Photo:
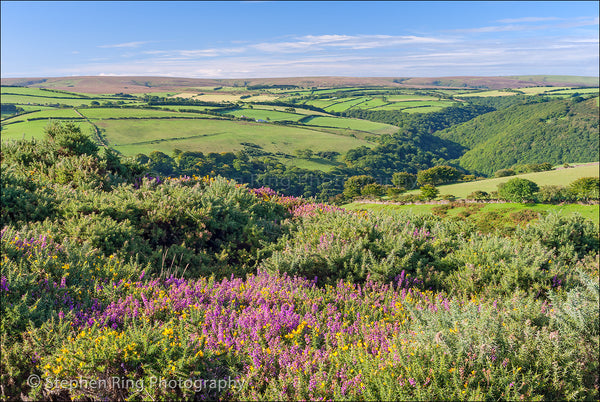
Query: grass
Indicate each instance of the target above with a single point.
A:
(135, 136)
(305, 112)
(504, 209)
(35, 129)
(32, 92)
(63, 114)
(404, 98)
(347, 104)
(24, 100)
(263, 114)
(353, 124)
(538, 90)
(561, 177)
(491, 93)
(373, 103)
(576, 90)
(118, 113)
(423, 109)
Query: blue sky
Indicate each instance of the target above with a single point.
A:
(291, 39)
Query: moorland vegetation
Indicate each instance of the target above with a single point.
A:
(174, 283)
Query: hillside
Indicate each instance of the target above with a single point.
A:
(110, 84)
(556, 131)
(557, 177)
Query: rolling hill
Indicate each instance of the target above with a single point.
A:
(556, 131)
(112, 84)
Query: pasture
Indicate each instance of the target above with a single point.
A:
(559, 176)
(38, 100)
(352, 124)
(118, 113)
(270, 115)
(212, 135)
(496, 92)
(35, 129)
(56, 114)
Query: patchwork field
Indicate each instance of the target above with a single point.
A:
(213, 135)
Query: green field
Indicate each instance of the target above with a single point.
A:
(298, 110)
(491, 93)
(342, 105)
(504, 209)
(561, 177)
(272, 115)
(353, 124)
(56, 114)
(25, 99)
(118, 113)
(35, 129)
(212, 135)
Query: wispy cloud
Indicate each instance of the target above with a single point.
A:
(355, 42)
(522, 26)
(527, 19)
(126, 44)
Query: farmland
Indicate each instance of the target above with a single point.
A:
(559, 176)
(215, 135)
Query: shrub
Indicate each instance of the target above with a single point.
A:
(586, 188)
(504, 173)
(478, 195)
(373, 189)
(429, 192)
(518, 190)
(571, 237)
(69, 139)
(555, 194)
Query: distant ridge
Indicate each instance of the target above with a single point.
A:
(132, 84)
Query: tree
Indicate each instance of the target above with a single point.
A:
(429, 192)
(353, 186)
(518, 190)
(373, 189)
(161, 163)
(504, 173)
(404, 180)
(304, 153)
(439, 175)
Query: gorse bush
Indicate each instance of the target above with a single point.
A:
(106, 273)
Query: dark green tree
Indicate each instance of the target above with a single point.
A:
(439, 175)
(354, 185)
(404, 180)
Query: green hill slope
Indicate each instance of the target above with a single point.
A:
(556, 131)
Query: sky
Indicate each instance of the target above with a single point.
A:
(266, 39)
